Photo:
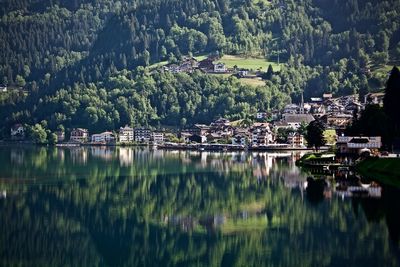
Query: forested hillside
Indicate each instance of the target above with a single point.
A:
(51, 48)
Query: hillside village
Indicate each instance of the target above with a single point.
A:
(269, 130)
(213, 64)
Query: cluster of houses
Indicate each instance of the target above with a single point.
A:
(257, 135)
(211, 64)
(81, 136)
(336, 113)
(190, 64)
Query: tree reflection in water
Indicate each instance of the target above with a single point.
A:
(134, 207)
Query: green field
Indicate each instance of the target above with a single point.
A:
(158, 64)
(251, 63)
(252, 82)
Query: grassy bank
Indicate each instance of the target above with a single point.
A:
(386, 170)
(312, 157)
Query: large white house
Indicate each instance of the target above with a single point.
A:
(126, 134)
(106, 137)
(261, 134)
(219, 67)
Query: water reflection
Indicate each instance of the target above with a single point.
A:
(99, 206)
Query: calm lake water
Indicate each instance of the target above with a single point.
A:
(97, 206)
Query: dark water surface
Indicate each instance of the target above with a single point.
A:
(139, 207)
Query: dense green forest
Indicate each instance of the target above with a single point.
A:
(80, 63)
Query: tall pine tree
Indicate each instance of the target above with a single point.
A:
(392, 98)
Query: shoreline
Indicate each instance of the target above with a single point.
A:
(199, 147)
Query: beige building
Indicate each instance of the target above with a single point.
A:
(79, 135)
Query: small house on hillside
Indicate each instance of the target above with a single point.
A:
(206, 65)
(220, 68)
(261, 115)
(17, 132)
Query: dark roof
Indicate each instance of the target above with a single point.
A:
(359, 140)
(298, 118)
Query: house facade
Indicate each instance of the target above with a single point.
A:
(261, 134)
(105, 137)
(295, 139)
(79, 135)
(337, 121)
(157, 137)
(199, 129)
(126, 134)
(357, 144)
(142, 135)
(220, 68)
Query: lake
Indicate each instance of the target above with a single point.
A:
(97, 206)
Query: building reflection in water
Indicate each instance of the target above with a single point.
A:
(17, 156)
(79, 155)
(104, 153)
(125, 156)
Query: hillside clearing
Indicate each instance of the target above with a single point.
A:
(251, 63)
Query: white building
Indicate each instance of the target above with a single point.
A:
(106, 137)
(261, 115)
(261, 134)
(126, 134)
(219, 67)
(157, 137)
